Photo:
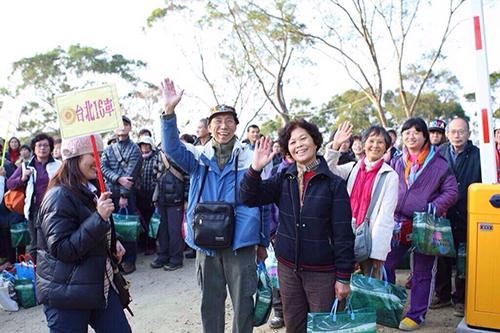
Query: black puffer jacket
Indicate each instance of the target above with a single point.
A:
(72, 251)
(467, 170)
(316, 236)
(170, 190)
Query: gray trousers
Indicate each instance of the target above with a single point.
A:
(237, 270)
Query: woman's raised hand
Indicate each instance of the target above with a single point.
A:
(171, 97)
(262, 153)
(343, 134)
(105, 206)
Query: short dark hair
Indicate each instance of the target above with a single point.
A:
(355, 137)
(41, 137)
(285, 132)
(419, 125)
(144, 131)
(57, 141)
(188, 138)
(253, 126)
(25, 146)
(465, 120)
(377, 130)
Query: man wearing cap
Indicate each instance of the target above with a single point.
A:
(233, 267)
(464, 161)
(437, 132)
(121, 167)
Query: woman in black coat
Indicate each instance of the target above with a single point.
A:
(314, 241)
(74, 277)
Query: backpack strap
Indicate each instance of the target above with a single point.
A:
(204, 176)
(170, 168)
(119, 156)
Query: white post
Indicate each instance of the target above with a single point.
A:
(483, 97)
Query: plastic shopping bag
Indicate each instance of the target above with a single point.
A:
(432, 235)
(25, 292)
(19, 235)
(26, 267)
(127, 227)
(359, 321)
(387, 299)
(154, 224)
(7, 293)
(264, 297)
(271, 264)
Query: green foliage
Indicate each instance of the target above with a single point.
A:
(57, 71)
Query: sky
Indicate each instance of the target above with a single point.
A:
(29, 27)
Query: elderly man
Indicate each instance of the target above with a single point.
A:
(202, 133)
(464, 161)
(232, 266)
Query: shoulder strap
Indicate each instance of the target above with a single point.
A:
(119, 156)
(170, 168)
(349, 175)
(376, 194)
(204, 176)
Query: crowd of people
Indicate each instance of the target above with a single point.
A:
(296, 195)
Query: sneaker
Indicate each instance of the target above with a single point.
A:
(459, 310)
(191, 254)
(157, 263)
(408, 325)
(128, 268)
(276, 322)
(438, 303)
(172, 267)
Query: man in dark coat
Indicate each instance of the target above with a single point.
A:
(464, 161)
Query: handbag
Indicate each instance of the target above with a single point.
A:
(432, 235)
(19, 234)
(387, 299)
(127, 227)
(14, 199)
(264, 297)
(26, 267)
(213, 222)
(359, 321)
(363, 240)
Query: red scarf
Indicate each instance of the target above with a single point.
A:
(14, 155)
(362, 190)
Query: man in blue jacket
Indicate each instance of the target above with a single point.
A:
(234, 266)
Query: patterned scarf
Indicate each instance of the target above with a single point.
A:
(413, 168)
(301, 170)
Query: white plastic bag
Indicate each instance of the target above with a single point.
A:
(7, 303)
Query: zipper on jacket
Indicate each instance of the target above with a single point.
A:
(297, 223)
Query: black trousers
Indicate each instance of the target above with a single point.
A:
(170, 242)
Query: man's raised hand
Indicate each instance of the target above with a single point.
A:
(262, 153)
(171, 97)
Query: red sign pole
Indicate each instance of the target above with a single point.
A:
(97, 165)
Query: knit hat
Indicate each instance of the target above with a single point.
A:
(80, 145)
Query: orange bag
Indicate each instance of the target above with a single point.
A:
(14, 200)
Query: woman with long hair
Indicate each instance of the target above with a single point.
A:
(74, 276)
(424, 181)
(13, 150)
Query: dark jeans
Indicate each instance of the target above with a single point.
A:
(146, 209)
(303, 292)
(170, 243)
(445, 271)
(277, 303)
(32, 229)
(130, 256)
(109, 320)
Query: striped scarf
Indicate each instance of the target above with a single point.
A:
(411, 169)
(301, 169)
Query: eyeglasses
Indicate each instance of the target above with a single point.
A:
(227, 121)
(460, 132)
(42, 145)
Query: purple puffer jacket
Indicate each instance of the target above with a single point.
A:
(435, 184)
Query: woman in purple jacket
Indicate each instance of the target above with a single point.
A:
(424, 179)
